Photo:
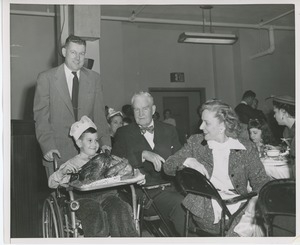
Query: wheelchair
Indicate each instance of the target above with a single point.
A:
(59, 218)
(58, 214)
(154, 224)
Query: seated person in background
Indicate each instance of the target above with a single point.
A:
(229, 162)
(115, 121)
(244, 110)
(146, 144)
(168, 117)
(127, 113)
(261, 134)
(156, 116)
(259, 113)
(284, 109)
(126, 121)
(101, 212)
(255, 103)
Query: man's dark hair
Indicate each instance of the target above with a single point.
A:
(249, 94)
(88, 130)
(74, 39)
(127, 120)
(127, 110)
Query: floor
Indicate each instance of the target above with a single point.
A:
(145, 233)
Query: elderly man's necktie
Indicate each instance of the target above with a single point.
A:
(150, 129)
(75, 90)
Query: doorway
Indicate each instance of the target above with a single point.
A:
(184, 103)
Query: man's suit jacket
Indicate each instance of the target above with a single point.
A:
(245, 112)
(130, 143)
(54, 115)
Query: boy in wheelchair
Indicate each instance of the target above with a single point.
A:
(102, 212)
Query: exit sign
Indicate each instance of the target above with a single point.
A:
(177, 77)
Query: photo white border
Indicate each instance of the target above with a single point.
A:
(5, 120)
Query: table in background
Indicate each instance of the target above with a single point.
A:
(277, 167)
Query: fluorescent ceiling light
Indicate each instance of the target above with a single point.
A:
(207, 38)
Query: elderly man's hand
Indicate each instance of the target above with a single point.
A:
(156, 159)
(141, 182)
(106, 147)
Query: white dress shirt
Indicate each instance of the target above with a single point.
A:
(220, 177)
(69, 77)
(150, 137)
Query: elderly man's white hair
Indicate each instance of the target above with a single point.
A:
(144, 94)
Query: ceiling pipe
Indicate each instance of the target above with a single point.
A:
(139, 10)
(271, 49)
(33, 13)
(276, 18)
(169, 21)
(188, 22)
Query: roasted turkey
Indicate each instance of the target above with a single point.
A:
(102, 166)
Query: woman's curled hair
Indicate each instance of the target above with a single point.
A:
(266, 133)
(225, 114)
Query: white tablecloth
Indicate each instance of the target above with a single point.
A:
(276, 167)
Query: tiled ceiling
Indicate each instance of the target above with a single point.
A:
(237, 14)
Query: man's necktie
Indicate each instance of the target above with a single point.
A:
(150, 129)
(75, 90)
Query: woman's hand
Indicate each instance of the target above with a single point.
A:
(194, 164)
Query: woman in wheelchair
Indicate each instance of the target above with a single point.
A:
(229, 162)
(102, 212)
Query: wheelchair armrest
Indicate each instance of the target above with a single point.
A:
(162, 186)
(241, 197)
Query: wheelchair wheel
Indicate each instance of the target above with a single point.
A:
(156, 228)
(51, 218)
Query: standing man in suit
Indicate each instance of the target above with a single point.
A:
(245, 112)
(64, 94)
(244, 109)
(147, 144)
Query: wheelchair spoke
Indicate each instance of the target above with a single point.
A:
(51, 218)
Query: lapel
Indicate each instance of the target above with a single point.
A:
(207, 155)
(235, 159)
(139, 138)
(158, 135)
(84, 90)
(60, 82)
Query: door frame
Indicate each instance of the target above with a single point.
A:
(200, 90)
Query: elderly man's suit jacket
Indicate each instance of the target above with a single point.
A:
(130, 143)
(54, 115)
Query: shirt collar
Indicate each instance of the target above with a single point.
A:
(69, 72)
(244, 102)
(85, 156)
(151, 124)
(231, 144)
